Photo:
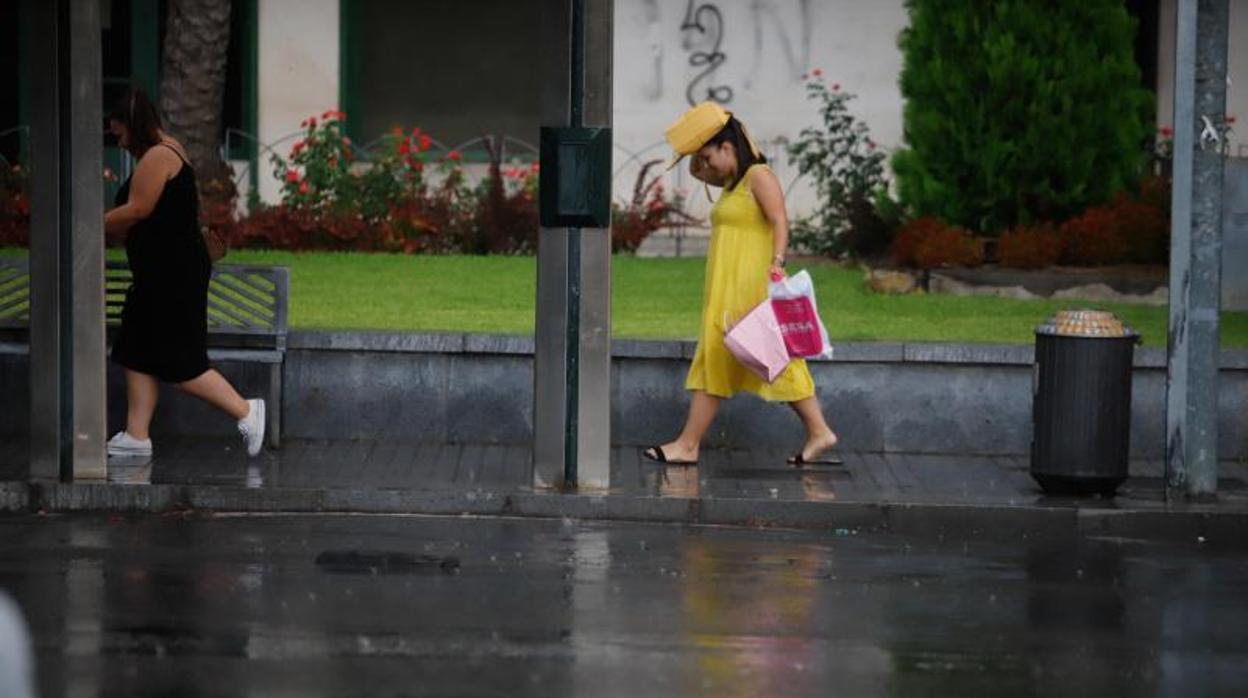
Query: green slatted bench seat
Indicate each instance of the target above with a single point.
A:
(247, 317)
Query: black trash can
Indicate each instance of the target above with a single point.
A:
(1081, 403)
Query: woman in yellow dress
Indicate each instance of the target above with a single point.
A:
(749, 236)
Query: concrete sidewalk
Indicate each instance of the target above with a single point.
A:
(911, 493)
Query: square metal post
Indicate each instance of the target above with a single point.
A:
(68, 408)
(46, 442)
(572, 363)
(1196, 248)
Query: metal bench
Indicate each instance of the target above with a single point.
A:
(247, 317)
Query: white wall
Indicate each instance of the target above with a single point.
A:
(1237, 72)
(768, 46)
(298, 72)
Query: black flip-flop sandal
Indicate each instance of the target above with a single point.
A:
(660, 457)
(798, 461)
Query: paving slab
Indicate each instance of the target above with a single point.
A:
(939, 494)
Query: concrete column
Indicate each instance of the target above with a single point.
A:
(574, 451)
(68, 408)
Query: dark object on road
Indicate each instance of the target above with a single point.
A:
(377, 562)
(1081, 409)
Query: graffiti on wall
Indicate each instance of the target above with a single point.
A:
(776, 35)
(765, 14)
(703, 29)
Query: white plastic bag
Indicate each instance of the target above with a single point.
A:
(800, 322)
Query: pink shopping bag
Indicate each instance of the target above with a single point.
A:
(799, 325)
(793, 299)
(756, 342)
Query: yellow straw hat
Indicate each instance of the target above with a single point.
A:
(697, 126)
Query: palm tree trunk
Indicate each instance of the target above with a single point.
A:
(192, 86)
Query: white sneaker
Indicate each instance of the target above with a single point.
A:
(252, 427)
(124, 445)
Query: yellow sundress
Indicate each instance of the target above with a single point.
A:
(737, 265)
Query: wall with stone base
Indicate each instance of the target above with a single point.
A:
(881, 397)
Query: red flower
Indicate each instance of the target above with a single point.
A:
(418, 166)
(416, 131)
(817, 73)
(425, 142)
(292, 176)
(534, 168)
(311, 122)
(454, 155)
(303, 124)
(405, 147)
(1230, 118)
(346, 140)
(398, 131)
(1166, 132)
(836, 87)
(303, 187)
(327, 115)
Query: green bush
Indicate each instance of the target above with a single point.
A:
(1018, 111)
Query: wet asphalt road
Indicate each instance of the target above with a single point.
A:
(413, 606)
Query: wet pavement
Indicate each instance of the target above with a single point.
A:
(351, 605)
(377, 466)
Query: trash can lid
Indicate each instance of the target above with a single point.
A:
(1086, 323)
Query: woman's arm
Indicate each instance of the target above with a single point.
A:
(701, 169)
(150, 175)
(770, 197)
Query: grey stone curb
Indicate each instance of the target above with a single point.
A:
(843, 352)
(1188, 524)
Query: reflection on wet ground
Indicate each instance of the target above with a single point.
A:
(372, 605)
(735, 474)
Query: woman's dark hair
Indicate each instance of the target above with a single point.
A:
(135, 110)
(734, 132)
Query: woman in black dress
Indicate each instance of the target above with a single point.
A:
(164, 323)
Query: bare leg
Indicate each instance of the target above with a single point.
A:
(701, 413)
(213, 388)
(142, 392)
(819, 436)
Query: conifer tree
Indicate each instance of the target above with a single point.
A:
(1019, 110)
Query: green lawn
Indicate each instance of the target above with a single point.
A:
(653, 298)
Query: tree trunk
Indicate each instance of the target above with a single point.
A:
(192, 87)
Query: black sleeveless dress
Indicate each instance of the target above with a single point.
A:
(164, 323)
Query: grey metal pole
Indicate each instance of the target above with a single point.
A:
(1196, 247)
(594, 405)
(49, 445)
(86, 258)
(68, 408)
(572, 363)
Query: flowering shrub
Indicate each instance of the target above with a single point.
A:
(848, 171)
(928, 243)
(1133, 227)
(1030, 247)
(506, 215)
(14, 207)
(648, 210)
